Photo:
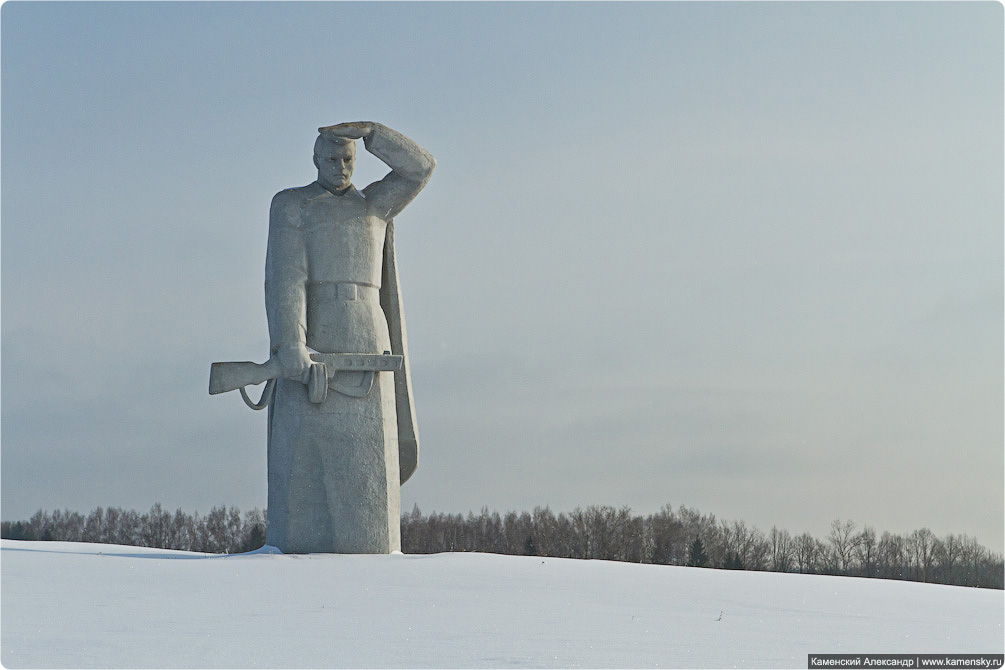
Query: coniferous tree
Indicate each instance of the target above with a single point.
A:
(256, 539)
(733, 561)
(697, 558)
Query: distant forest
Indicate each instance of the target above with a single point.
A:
(669, 537)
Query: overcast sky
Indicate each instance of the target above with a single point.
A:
(742, 257)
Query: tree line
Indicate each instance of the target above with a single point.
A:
(681, 536)
(223, 531)
(686, 537)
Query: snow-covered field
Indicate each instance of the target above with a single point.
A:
(92, 605)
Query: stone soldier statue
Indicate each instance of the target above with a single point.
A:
(340, 444)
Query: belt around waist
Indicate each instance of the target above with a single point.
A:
(330, 290)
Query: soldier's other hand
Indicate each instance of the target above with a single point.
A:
(353, 130)
(295, 361)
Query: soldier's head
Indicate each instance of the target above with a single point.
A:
(334, 158)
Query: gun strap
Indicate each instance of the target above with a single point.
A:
(266, 398)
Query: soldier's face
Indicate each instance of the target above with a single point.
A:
(335, 163)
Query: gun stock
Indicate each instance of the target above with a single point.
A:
(224, 377)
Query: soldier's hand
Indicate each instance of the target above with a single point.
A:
(353, 130)
(295, 361)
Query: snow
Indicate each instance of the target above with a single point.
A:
(92, 605)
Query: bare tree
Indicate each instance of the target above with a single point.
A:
(950, 550)
(155, 527)
(807, 553)
(865, 552)
(890, 563)
(746, 545)
(842, 539)
(781, 550)
(922, 548)
(669, 539)
(94, 526)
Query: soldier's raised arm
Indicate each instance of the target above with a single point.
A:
(411, 165)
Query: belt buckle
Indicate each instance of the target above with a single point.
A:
(348, 291)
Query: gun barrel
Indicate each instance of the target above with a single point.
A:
(386, 362)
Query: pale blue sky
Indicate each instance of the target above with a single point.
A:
(746, 257)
